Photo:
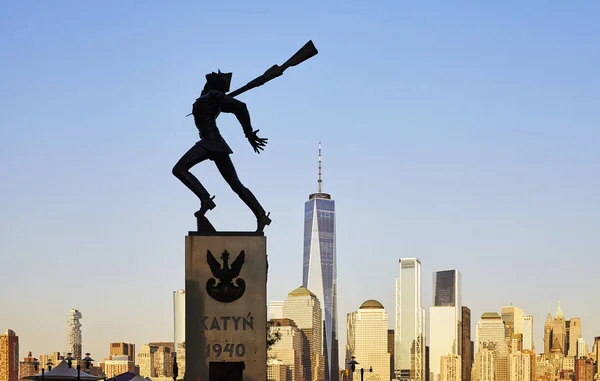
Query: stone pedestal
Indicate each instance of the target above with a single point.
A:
(225, 319)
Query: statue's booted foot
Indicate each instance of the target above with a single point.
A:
(263, 221)
(203, 224)
(205, 206)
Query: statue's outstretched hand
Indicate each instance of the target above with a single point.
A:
(257, 143)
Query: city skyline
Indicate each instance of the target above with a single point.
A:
(463, 135)
(492, 333)
(490, 328)
(75, 315)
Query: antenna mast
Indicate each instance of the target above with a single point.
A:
(320, 180)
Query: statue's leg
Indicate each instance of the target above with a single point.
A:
(227, 170)
(181, 170)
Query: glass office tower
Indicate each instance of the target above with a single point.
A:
(447, 288)
(409, 330)
(319, 268)
(445, 316)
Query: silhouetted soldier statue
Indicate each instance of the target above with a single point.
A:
(213, 100)
(212, 146)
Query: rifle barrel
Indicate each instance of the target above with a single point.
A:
(306, 52)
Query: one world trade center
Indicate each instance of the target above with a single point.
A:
(319, 269)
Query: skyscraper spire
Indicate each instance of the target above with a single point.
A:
(320, 180)
(319, 193)
(559, 311)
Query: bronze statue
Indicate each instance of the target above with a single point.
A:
(213, 100)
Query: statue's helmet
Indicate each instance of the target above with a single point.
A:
(219, 81)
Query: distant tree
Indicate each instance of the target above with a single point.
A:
(273, 335)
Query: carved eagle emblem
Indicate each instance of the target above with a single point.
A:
(226, 286)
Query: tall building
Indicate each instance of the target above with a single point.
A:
(501, 367)
(515, 344)
(584, 370)
(178, 317)
(472, 350)
(367, 331)
(489, 334)
(567, 330)
(74, 340)
(277, 370)
(27, 367)
(597, 352)
(559, 331)
(122, 349)
(163, 362)
(168, 344)
(9, 356)
(520, 367)
(465, 353)
(513, 322)
(391, 350)
(447, 288)
(276, 309)
(512, 317)
(568, 364)
(574, 336)
(528, 333)
(288, 350)
(548, 334)
(179, 330)
(445, 319)
(451, 368)
(319, 268)
(145, 361)
(483, 369)
(580, 352)
(119, 364)
(180, 353)
(304, 308)
(54, 359)
(409, 325)
(427, 373)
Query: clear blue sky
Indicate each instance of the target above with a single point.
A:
(463, 134)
